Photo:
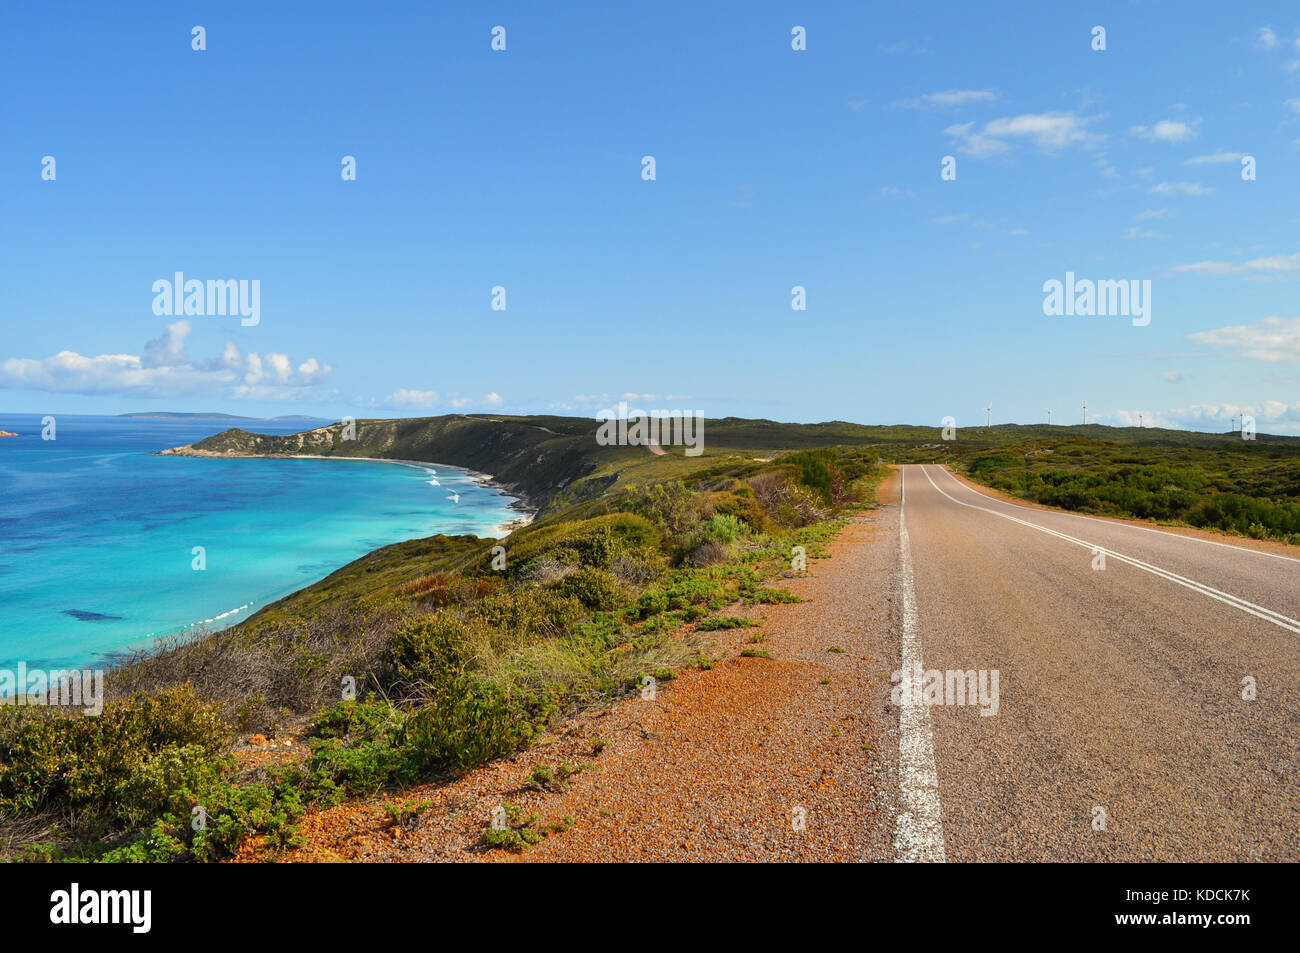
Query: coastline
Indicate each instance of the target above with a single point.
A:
(519, 501)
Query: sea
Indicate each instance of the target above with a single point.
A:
(105, 547)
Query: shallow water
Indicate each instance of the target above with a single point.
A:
(97, 534)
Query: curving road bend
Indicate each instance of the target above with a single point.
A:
(1121, 731)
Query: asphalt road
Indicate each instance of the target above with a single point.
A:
(1121, 731)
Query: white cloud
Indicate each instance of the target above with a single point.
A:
(280, 366)
(1274, 340)
(949, 98)
(650, 397)
(413, 399)
(1048, 132)
(165, 371)
(406, 397)
(1276, 416)
(1265, 38)
(1144, 418)
(1180, 188)
(948, 219)
(1166, 130)
(1173, 377)
(1132, 233)
(1151, 214)
(312, 370)
(1293, 105)
(1270, 266)
(1215, 158)
(168, 350)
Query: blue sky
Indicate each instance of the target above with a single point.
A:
(774, 168)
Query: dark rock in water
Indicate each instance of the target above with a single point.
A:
(84, 616)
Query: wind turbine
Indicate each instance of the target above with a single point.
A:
(1049, 418)
(989, 410)
(1085, 411)
(1139, 421)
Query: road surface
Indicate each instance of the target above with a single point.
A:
(1121, 730)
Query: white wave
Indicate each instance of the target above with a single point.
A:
(224, 615)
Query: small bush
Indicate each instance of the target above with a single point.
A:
(707, 552)
(725, 528)
(727, 622)
(596, 589)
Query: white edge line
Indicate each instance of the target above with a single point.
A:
(918, 831)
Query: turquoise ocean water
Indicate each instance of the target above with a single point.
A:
(97, 534)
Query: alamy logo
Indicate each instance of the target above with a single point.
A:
(54, 688)
(919, 686)
(656, 429)
(1105, 298)
(134, 907)
(213, 297)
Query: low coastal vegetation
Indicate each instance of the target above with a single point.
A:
(1242, 487)
(451, 651)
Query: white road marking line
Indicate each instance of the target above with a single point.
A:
(1120, 523)
(918, 832)
(1268, 615)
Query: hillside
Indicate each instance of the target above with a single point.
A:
(550, 462)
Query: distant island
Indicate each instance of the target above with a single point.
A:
(168, 413)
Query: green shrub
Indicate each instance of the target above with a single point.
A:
(596, 589)
(420, 649)
(364, 768)
(741, 503)
(530, 612)
(726, 622)
(78, 763)
(361, 748)
(169, 781)
(464, 723)
(768, 596)
(817, 470)
(725, 527)
(597, 542)
(669, 505)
